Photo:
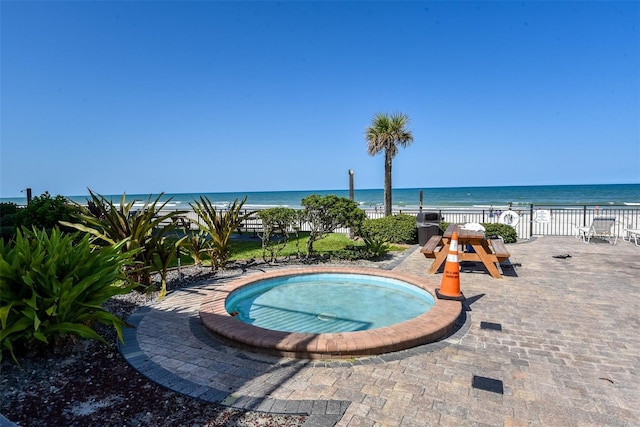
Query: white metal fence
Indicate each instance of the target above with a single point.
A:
(534, 221)
(542, 220)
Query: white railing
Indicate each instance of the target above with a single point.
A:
(533, 221)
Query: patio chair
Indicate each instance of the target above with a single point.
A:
(631, 234)
(601, 227)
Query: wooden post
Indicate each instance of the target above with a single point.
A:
(351, 196)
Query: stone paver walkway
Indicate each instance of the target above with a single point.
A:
(556, 342)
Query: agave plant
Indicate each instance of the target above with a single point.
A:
(220, 225)
(112, 224)
(52, 288)
(376, 247)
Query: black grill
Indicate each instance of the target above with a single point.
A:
(428, 224)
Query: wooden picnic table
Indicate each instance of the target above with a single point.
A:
(487, 251)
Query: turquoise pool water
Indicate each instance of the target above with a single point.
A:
(328, 302)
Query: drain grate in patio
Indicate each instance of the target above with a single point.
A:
(488, 384)
(491, 326)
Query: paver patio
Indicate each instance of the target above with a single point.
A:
(556, 342)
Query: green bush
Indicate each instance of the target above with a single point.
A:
(325, 214)
(52, 287)
(42, 212)
(46, 212)
(8, 220)
(277, 223)
(350, 252)
(8, 208)
(507, 232)
(399, 228)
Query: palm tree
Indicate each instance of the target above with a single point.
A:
(387, 133)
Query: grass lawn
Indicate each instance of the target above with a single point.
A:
(251, 247)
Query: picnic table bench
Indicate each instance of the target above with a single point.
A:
(429, 249)
(500, 250)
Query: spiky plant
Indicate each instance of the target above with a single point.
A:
(166, 249)
(196, 241)
(220, 225)
(111, 224)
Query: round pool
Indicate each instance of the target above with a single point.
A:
(328, 302)
(328, 313)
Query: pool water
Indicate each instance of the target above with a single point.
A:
(328, 302)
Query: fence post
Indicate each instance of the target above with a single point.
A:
(351, 197)
(584, 216)
(531, 220)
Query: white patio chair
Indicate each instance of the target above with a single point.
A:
(601, 227)
(631, 234)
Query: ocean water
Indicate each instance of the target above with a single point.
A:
(409, 198)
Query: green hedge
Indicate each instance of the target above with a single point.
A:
(399, 228)
(8, 220)
(507, 232)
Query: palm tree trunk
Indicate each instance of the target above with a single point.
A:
(387, 183)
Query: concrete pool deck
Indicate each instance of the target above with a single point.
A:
(555, 342)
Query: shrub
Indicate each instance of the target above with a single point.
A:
(399, 228)
(8, 208)
(8, 220)
(507, 232)
(52, 287)
(327, 213)
(350, 253)
(45, 212)
(276, 225)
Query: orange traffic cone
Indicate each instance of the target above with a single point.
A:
(450, 285)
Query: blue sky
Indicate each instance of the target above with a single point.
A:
(207, 96)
